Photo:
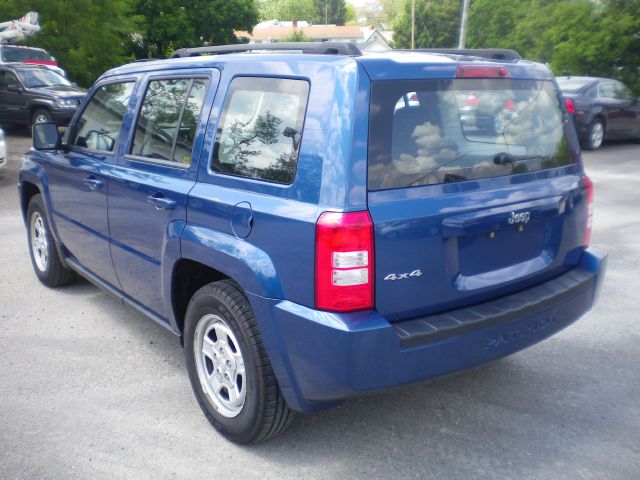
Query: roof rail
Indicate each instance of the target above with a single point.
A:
(503, 54)
(319, 48)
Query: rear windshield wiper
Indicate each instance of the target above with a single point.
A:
(504, 158)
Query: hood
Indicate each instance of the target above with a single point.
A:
(59, 91)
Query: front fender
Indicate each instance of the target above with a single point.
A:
(236, 258)
(41, 103)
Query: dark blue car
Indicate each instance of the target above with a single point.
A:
(309, 233)
(602, 109)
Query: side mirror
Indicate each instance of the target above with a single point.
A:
(14, 88)
(46, 136)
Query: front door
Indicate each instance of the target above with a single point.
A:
(150, 184)
(79, 179)
(13, 99)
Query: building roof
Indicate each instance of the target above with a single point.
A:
(312, 32)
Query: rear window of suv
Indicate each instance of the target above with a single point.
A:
(440, 131)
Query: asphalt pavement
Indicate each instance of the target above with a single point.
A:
(90, 389)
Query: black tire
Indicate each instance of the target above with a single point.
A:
(264, 412)
(51, 271)
(595, 136)
(41, 115)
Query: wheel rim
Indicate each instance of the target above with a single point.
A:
(220, 365)
(39, 241)
(41, 118)
(597, 134)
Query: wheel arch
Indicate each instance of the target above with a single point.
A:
(187, 277)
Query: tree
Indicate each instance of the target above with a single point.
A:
(164, 25)
(578, 37)
(86, 37)
(330, 12)
(436, 24)
(287, 9)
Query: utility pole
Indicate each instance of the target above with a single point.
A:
(413, 24)
(463, 24)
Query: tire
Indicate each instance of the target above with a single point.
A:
(595, 137)
(244, 405)
(42, 247)
(41, 115)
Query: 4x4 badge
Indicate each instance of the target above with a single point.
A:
(404, 276)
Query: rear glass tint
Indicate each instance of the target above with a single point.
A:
(573, 85)
(440, 131)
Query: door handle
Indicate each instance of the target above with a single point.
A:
(93, 183)
(160, 202)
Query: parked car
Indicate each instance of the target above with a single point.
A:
(3, 151)
(34, 94)
(305, 236)
(602, 108)
(29, 55)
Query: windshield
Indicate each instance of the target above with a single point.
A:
(441, 131)
(17, 54)
(41, 77)
(572, 85)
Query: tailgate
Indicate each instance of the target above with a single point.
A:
(470, 200)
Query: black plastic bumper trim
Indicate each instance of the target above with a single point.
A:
(420, 331)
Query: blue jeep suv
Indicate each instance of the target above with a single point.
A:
(316, 223)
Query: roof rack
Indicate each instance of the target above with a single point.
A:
(318, 48)
(503, 54)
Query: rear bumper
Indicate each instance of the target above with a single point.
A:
(320, 358)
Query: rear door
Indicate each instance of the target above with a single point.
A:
(470, 201)
(149, 187)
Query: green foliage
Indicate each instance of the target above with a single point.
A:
(575, 37)
(333, 11)
(168, 24)
(578, 37)
(287, 9)
(86, 37)
(350, 14)
(296, 36)
(436, 24)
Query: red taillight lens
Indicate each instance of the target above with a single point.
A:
(588, 185)
(509, 105)
(569, 105)
(481, 71)
(344, 261)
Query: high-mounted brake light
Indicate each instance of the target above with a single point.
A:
(344, 261)
(481, 71)
(569, 105)
(588, 185)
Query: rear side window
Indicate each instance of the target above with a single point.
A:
(260, 129)
(440, 131)
(168, 119)
(98, 128)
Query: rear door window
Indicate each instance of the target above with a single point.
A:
(440, 131)
(167, 123)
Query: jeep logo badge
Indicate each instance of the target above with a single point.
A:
(523, 217)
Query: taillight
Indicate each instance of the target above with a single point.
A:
(508, 105)
(588, 185)
(569, 105)
(344, 261)
(481, 71)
